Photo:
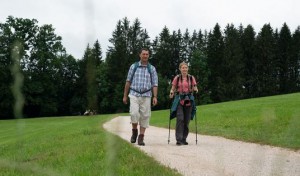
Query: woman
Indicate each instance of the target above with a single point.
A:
(183, 86)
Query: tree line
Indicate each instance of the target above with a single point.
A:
(230, 64)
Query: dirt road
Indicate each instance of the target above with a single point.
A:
(212, 156)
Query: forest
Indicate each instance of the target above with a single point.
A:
(38, 78)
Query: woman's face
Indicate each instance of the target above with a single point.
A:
(184, 69)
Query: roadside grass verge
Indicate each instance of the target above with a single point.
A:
(273, 120)
(70, 146)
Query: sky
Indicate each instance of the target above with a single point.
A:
(82, 22)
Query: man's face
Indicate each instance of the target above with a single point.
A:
(144, 55)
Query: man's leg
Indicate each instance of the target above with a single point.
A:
(142, 130)
(134, 133)
(145, 112)
(141, 136)
(134, 114)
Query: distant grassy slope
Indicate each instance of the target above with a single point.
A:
(70, 146)
(273, 120)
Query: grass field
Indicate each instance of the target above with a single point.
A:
(70, 146)
(271, 120)
(80, 146)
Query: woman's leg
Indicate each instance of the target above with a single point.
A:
(179, 123)
(187, 118)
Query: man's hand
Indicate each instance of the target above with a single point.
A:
(154, 101)
(125, 99)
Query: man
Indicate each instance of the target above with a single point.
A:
(141, 84)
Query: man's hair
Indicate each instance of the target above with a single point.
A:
(144, 49)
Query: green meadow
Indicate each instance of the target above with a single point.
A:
(273, 120)
(70, 146)
(80, 146)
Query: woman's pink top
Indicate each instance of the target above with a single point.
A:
(184, 85)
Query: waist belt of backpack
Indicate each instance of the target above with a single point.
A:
(182, 95)
(140, 92)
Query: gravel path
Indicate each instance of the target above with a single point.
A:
(212, 156)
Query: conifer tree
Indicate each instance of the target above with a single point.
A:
(163, 55)
(232, 64)
(284, 50)
(248, 45)
(295, 61)
(265, 64)
(215, 53)
(199, 67)
(186, 51)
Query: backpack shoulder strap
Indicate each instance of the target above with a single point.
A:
(149, 66)
(177, 82)
(136, 64)
(191, 82)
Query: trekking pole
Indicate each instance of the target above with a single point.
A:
(196, 123)
(196, 127)
(169, 129)
(170, 121)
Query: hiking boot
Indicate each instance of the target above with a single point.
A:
(179, 143)
(141, 139)
(184, 142)
(134, 135)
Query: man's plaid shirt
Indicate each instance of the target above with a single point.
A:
(141, 80)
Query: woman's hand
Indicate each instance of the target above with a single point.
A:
(171, 94)
(196, 89)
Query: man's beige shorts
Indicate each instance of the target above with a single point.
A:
(140, 110)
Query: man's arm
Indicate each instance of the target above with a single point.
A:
(126, 91)
(154, 100)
